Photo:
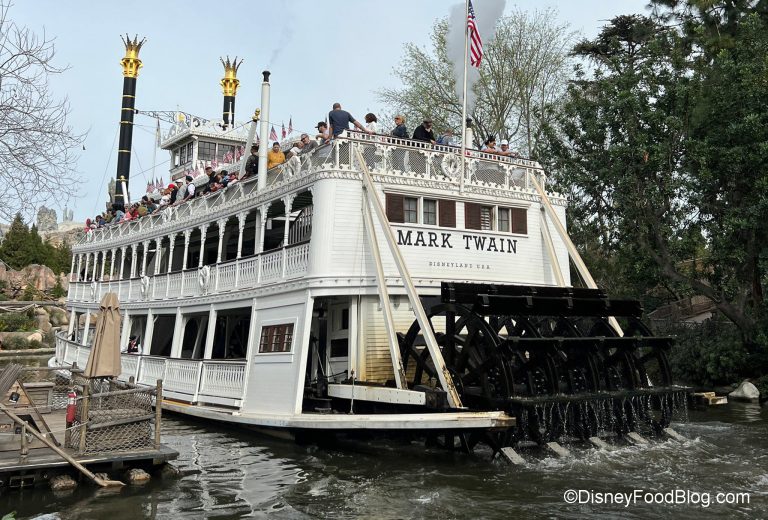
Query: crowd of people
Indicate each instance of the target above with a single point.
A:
(339, 120)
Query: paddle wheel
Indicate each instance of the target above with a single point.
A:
(549, 356)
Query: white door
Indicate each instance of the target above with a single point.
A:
(338, 342)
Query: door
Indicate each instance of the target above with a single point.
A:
(338, 342)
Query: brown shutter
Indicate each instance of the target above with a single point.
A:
(447, 213)
(519, 222)
(472, 216)
(395, 211)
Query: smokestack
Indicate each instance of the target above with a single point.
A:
(131, 65)
(229, 84)
(264, 132)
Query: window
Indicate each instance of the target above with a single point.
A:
(276, 338)
(185, 153)
(430, 212)
(486, 217)
(411, 210)
(206, 150)
(433, 211)
(225, 153)
(504, 222)
(508, 220)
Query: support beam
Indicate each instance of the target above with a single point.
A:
(203, 232)
(550, 247)
(443, 374)
(581, 267)
(211, 333)
(222, 227)
(86, 326)
(146, 343)
(178, 331)
(241, 217)
(386, 305)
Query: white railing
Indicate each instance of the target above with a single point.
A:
(190, 380)
(271, 266)
(151, 369)
(181, 375)
(288, 262)
(223, 379)
(129, 367)
(296, 260)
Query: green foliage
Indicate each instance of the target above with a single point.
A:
(35, 344)
(30, 293)
(58, 291)
(23, 246)
(16, 321)
(709, 354)
(15, 343)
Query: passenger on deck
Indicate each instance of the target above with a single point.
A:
(275, 156)
(307, 144)
(371, 123)
(252, 164)
(424, 132)
(322, 127)
(490, 145)
(505, 149)
(189, 191)
(133, 346)
(339, 120)
(400, 131)
(447, 139)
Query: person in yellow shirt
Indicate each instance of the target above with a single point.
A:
(275, 156)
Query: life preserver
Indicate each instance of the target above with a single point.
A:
(451, 166)
(204, 277)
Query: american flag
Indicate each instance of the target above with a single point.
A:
(475, 43)
(290, 125)
(283, 131)
(273, 134)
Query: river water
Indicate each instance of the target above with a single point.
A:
(232, 473)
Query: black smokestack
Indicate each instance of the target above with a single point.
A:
(229, 84)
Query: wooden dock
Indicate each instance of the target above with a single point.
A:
(113, 428)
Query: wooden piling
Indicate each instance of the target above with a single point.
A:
(84, 416)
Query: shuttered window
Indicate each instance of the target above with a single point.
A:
(447, 213)
(472, 216)
(519, 220)
(394, 207)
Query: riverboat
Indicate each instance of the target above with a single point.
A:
(372, 285)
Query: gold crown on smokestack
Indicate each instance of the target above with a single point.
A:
(229, 82)
(131, 62)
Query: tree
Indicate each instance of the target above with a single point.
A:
(662, 146)
(524, 70)
(36, 143)
(23, 246)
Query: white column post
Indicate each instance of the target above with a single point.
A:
(145, 246)
(86, 327)
(241, 217)
(222, 227)
(72, 324)
(85, 271)
(187, 235)
(134, 261)
(146, 342)
(288, 202)
(72, 269)
(103, 265)
(211, 333)
(260, 239)
(95, 265)
(171, 245)
(122, 262)
(158, 251)
(203, 232)
(79, 266)
(178, 330)
(126, 330)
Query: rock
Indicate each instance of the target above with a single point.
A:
(62, 482)
(58, 317)
(746, 392)
(43, 323)
(35, 336)
(169, 471)
(102, 476)
(40, 311)
(137, 476)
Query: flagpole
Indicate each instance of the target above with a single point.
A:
(464, 100)
(154, 152)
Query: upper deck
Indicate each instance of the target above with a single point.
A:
(244, 249)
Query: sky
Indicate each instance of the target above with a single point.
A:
(319, 52)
